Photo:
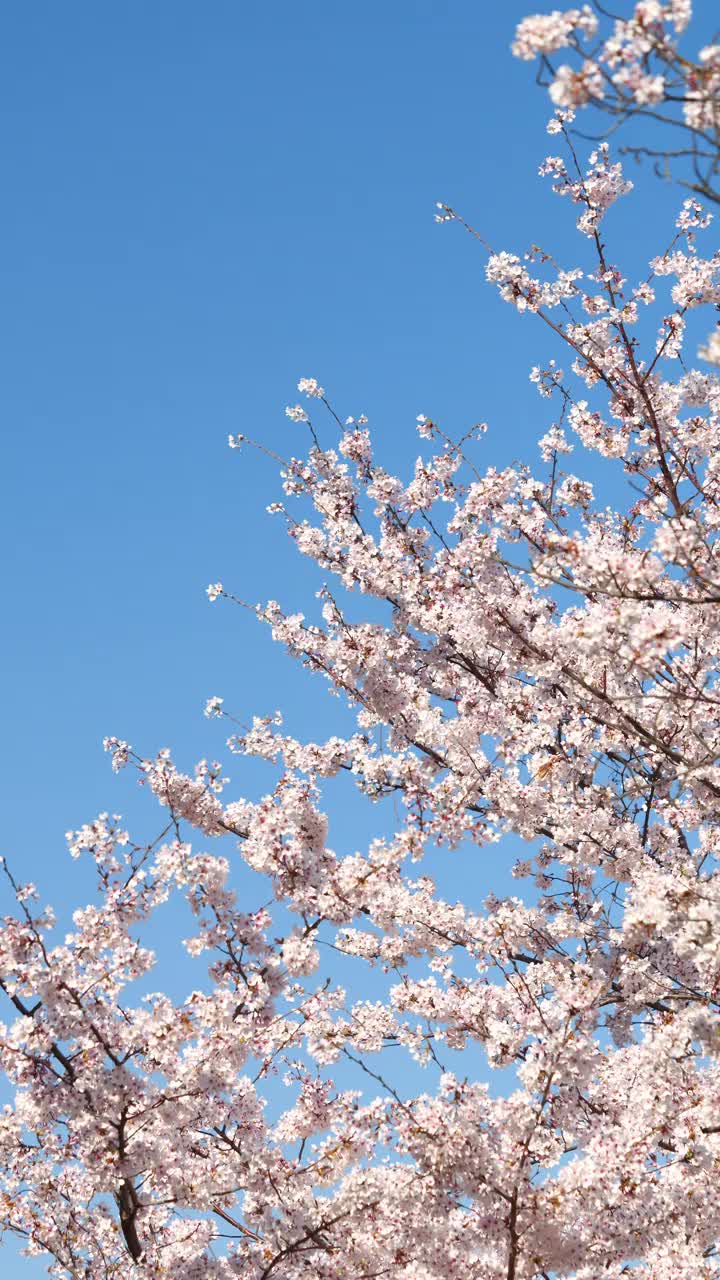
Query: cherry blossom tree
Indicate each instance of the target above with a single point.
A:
(632, 69)
(532, 664)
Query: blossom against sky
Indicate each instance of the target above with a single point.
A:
(201, 208)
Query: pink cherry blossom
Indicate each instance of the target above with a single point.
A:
(371, 1075)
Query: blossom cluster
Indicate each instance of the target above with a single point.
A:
(637, 62)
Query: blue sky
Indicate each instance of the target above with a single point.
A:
(202, 204)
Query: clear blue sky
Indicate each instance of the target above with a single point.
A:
(202, 203)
